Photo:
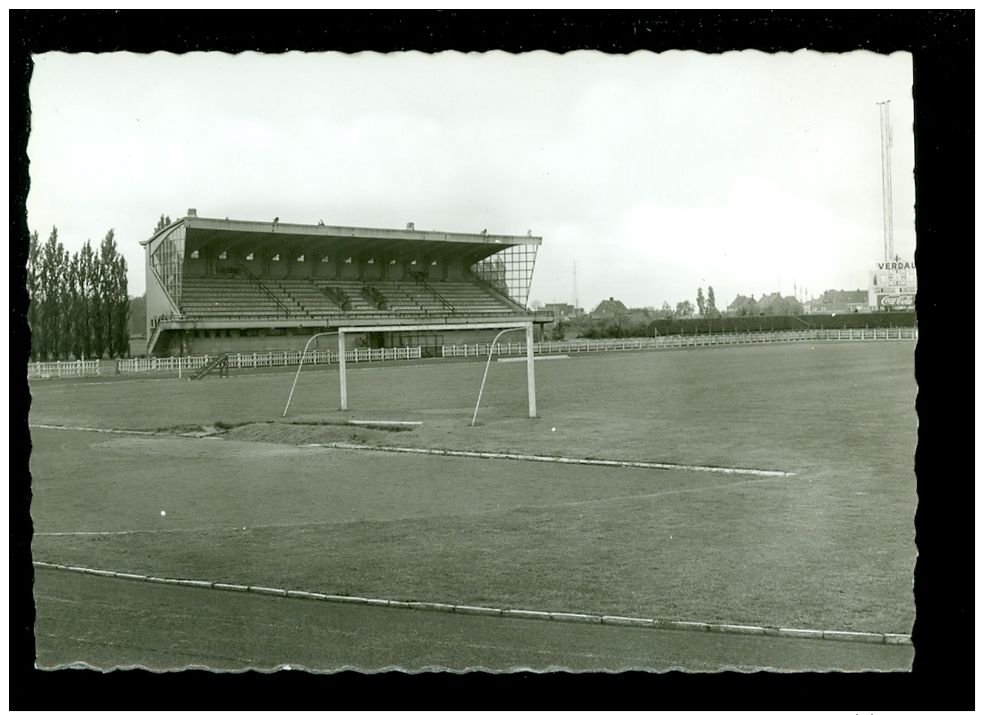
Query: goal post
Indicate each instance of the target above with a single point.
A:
(301, 364)
(525, 324)
(531, 385)
(530, 377)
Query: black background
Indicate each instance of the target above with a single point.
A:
(942, 44)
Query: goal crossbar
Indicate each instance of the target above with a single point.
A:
(527, 324)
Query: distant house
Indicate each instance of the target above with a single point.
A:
(776, 304)
(561, 311)
(609, 309)
(840, 301)
(793, 306)
(743, 305)
(770, 304)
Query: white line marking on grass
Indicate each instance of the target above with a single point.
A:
(619, 621)
(670, 492)
(116, 533)
(554, 460)
(480, 455)
(192, 529)
(382, 422)
(94, 429)
(69, 381)
(538, 357)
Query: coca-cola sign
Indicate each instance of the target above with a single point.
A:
(897, 300)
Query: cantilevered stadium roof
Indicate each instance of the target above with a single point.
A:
(252, 236)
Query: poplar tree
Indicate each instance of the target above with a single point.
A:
(63, 333)
(97, 317)
(114, 302)
(120, 329)
(52, 319)
(79, 304)
(84, 315)
(33, 290)
(73, 281)
(107, 251)
(701, 303)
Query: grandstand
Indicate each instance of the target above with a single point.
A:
(215, 285)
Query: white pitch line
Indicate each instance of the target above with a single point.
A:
(94, 429)
(487, 455)
(555, 460)
(654, 495)
(200, 529)
(538, 357)
(730, 628)
(383, 422)
(119, 533)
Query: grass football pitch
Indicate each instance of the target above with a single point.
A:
(828, 546)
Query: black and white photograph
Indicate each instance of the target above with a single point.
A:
(459, 362)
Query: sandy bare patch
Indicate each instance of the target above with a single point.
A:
(182, 448)
(299, 434)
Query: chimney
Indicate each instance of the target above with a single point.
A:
(193, 213)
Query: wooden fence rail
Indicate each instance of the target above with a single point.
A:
(679, 341)
(191, 363)
(95, 368)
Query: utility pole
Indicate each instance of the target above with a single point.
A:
(574, 296)
(886, 151)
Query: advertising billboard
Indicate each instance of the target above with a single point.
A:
(896, 301)
(892, 286)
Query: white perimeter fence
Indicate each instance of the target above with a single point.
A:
(679, 341)
(94, 368)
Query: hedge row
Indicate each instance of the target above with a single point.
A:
(769, 323)
(755, 324)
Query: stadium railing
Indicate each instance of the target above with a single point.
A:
(76, 368)
(678, 341)
(90, 368)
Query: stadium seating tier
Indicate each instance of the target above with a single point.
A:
(302, 298)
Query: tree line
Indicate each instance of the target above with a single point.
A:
(80, 306)
(642, 322)
(637, 326)
(685, 309)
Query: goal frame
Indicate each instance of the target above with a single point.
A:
(527, 324)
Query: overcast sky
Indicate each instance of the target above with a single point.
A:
(656, 174)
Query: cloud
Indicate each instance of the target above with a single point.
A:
(653, 172)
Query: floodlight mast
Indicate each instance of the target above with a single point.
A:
(886, 151)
